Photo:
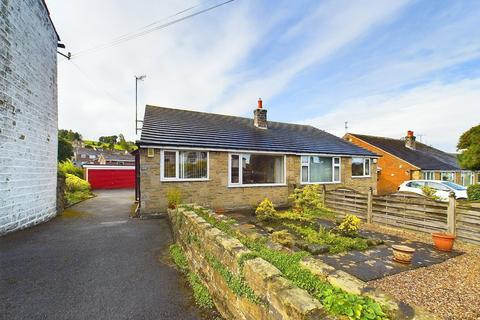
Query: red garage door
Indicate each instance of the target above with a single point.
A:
(110, 177)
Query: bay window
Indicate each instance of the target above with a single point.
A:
(256, 169)
(184, 165)
(360, 167)
(317, 169)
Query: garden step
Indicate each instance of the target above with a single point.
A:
(153, 216)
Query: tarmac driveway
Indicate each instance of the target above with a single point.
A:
(93, 262)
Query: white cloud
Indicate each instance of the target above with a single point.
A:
(439, 112)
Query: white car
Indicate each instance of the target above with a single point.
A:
(443, 188)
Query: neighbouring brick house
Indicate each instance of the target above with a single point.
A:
(233, 162)
(408, 159)
(28, 114)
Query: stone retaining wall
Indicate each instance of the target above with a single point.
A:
(281, 299)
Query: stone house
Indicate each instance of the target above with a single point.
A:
(408, 159)
(233, 162)
(28, 114)
(83, 156)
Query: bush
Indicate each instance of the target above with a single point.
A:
(473, 192)
(68, 167)
(174, 197)
(265, 210)
(307, 199)
(350, 225)
(283, 237)
(74, 183)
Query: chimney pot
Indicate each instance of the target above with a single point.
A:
(260, 103)
(409, 133)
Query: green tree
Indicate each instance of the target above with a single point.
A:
(69, 135)
(469, 145)
(110, 140)
(124, 145)
(65, 150)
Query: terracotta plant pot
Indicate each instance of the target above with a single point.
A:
(402, 254)
(443, 241)
(172, 206)
(220, 211)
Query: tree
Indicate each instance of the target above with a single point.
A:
(69, 135)
(65, 150)
(110, 140)
(124, 145)
(469, 145)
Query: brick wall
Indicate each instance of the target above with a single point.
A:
(28, 115)
(216, 193)
(394, 171)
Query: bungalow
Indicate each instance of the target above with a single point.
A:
(408, 159)
(233, 162)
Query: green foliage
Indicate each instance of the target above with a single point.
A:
(68, 167)
(74, 183)
(77, 196)
(335, 300)
(69, 135)
(473, 192)
(178, 257)
(430, 192)
(200, 292)
(309, 201)
(283, 237)
(265, 210)
(294, 215)
(335, 243)
(65, 150)
(174, 197)
(124, 145)
(236, 284)
(350, 225)
(110, 140)
(469, 143)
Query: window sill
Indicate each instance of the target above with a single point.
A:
(257, 185)
(184, 180)
(360, 177)
(330, 182)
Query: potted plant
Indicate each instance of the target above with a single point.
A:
(443, 241)
(402, 254)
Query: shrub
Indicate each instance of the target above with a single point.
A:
(430, 192)
(350, 225)
(308, 198)
(283, 237)
(74, 183)
(473, 192)
(174, 197)
(68, 167)
(265, 210)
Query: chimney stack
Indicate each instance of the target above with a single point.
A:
(260, 116)
(410, 140)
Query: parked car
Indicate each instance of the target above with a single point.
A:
(443, 188)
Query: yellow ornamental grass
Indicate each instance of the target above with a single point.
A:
(350, 225)
(74, 183)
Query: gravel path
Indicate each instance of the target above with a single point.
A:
(450, 289)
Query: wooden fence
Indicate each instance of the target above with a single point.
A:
(409, 211)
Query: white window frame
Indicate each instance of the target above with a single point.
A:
(364, 166)
(426, 175)
(452, 173)
(240, 184)
(177, 166)
(462, 177)
(334, 165)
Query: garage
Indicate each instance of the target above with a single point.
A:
(110, 177)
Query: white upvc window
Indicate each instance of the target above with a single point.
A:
(428, 175)
(361, 167)
(447, 176)
(184, 165)
(256, 169)
(319, 169)
(467, 178)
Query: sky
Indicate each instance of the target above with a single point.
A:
(385, 67)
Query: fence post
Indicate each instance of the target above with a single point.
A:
(324, 196)
(370, 205)
(451, 214)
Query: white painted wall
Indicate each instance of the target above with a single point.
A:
(28, 115)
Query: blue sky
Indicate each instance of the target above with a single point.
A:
(384, 66)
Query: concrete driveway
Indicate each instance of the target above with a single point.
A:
(93, 262)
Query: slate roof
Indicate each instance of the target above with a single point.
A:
(182, 128)
(423, 157)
